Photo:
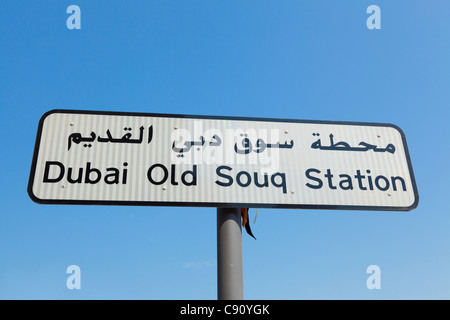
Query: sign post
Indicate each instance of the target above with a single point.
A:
(230, 277)
(118, 158)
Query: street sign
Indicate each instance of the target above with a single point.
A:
(114, 158)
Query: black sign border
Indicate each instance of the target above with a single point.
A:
(215, 204)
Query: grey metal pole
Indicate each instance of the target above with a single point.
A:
(230, 272)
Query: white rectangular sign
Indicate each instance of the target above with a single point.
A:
(111, 158)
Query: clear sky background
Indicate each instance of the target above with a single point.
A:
(281, 59)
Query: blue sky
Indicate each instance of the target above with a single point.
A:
(280, 59)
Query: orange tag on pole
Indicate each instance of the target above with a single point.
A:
(244, 213)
